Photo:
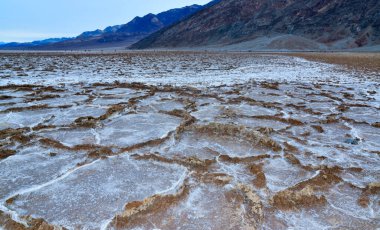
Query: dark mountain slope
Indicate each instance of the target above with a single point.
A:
(332, 23)
(131, 32)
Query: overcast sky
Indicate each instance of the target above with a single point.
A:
(29, 20)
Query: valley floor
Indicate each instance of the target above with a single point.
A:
(189, 140)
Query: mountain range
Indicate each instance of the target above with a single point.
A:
(17, 45)
(119, 36)
(238, 25)
(274, 25)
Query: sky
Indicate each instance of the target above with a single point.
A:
(30, 20)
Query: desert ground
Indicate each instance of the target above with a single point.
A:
(189, 140)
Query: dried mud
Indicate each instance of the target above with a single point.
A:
(175, 140)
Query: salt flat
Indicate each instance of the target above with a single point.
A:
(187, 140)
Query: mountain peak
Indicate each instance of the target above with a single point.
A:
(120, 35)
(336, 24)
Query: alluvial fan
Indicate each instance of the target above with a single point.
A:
(181, 140)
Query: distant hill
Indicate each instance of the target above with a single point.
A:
(4, 45)
(275, 25)
(114, 36)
